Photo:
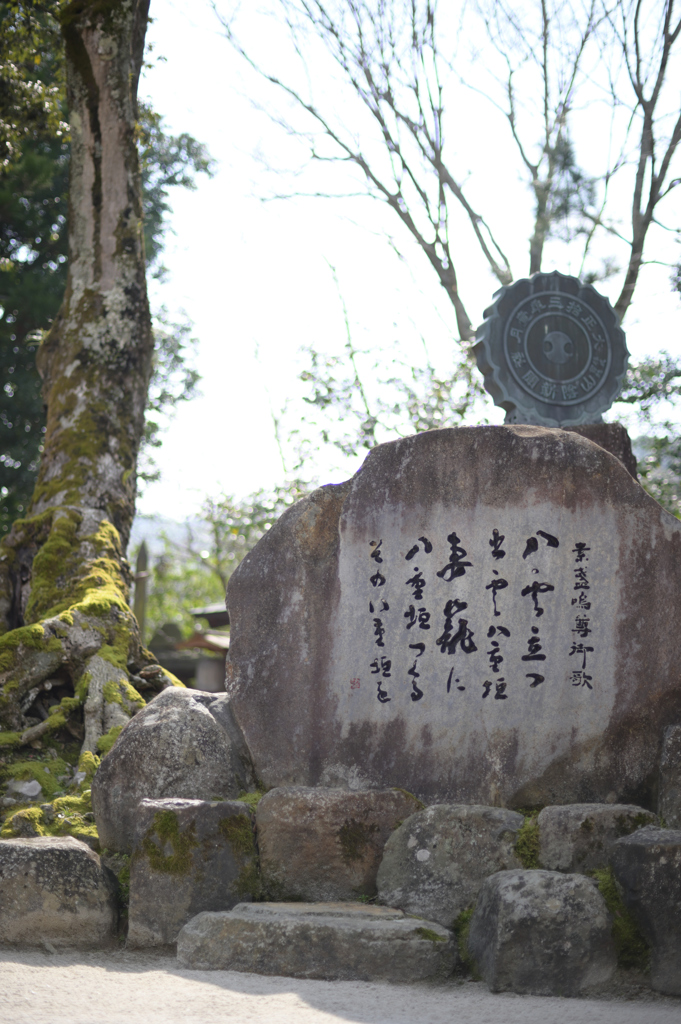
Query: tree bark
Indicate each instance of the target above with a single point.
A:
(64, 580)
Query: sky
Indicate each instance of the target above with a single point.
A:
(262, 279)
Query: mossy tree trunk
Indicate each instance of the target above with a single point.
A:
(64, 581)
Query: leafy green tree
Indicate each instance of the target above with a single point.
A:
(34, 248)
(196, 570)
(651, 386)
(65, 622)
(32, 75)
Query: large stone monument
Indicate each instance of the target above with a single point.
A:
(481, 615)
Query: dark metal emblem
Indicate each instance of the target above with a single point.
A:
(551, 351)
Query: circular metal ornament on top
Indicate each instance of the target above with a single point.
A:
(551, 351)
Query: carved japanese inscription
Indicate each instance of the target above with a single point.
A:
(507, 625)
(470, 622)
(551, 351)
(482, 615)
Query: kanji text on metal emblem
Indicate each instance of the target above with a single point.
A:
(551, 351)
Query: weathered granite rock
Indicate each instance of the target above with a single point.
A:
(345, 941)
(647, 866)
(580, 837)
(55, 890)
(435, 863)
(326, 844)
(188, 856)
(670, 777)
(542, 933)
(184, 743)
(481, 615)
(614, 438)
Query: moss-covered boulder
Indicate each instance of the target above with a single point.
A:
(188, 856)
(183, 744)
(647, 866)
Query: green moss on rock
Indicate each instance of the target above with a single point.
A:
(238, 831)
(428, 933)
(420, 805)
(27, 823)
(527, 843)
(354, 837)
(251, 799)
(123, 878)
(625, 824)
(106, 742)
(461, 929)
(165, 829)
(64, 816)
(632, 949)
(249, 882)
(122, 692)
(88, 763)
(28, 637)
(46, 774)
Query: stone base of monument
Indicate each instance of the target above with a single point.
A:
(542, 933)
(320, 845)
(436, 861)
(670, 777)
(581, 837)
(332, 941)
(647, 866)
(188, 856)
(54, 891)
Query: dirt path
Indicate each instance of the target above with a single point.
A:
(126, 988)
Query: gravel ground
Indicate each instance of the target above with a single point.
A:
(125, 987)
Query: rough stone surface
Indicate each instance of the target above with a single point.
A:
(580, 837)
(329, 692)
(326, 844)
(188, 856)
(614, 438)
(647, 866)
(435, 863)
(182, 744)
(55, 890)
(323, 940)
(543, 933)
(670, 777)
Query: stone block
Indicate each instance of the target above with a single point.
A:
(670, 777)
(436, 861)
(647, 866)
(542, 933)
(182, 744)
(351, 942)
(481, 615)
(326, 844)
(55, 890)
(614, 438)
(580, 837)
(188, 856)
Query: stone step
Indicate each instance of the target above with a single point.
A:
(332, 941)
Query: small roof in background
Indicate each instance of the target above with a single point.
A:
(218, 642)
(215, 614)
